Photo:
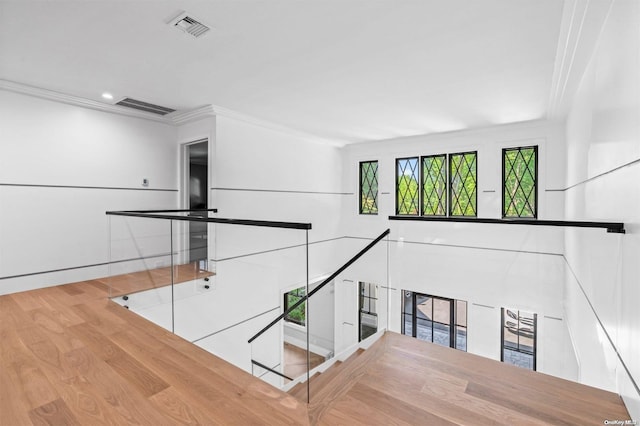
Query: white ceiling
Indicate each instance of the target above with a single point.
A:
(347, 70)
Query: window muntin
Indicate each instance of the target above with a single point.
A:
(407, 186)
(434, 185)
(463, 184)
(519, 337)
(520, 182)
(369, 187)
(435, 319)
(299, 314)
(461, 324)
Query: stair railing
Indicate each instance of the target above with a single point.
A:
(321, 285)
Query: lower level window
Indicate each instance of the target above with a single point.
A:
(519, 338)
(435, 319)
(299, 314)
(368, 308)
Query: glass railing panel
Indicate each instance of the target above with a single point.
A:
(361, 298)
(214, 285)
(140, 273)
(193, 272)
(268, 357)
(350, 311)
(334, 320)
(276, 270)
(250, 268)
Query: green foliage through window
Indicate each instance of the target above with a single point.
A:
(407, 196)
(369, 187)
(520, 170)
(463, 184)
(434, 185)
(299, 314)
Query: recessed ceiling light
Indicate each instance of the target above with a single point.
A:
(107, 95)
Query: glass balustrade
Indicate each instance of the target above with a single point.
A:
(211, 280)
(328, 319)
(268, 298)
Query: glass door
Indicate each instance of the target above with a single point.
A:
(434, 319)
(368, 319)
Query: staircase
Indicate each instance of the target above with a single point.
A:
(403, 380)
(331, 385)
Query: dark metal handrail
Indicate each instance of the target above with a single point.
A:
(614, 227)
(261, 365)
(162, 214)
(322, 284)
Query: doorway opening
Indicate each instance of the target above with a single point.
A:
(368, 310)
(435, 319)
(197, 188)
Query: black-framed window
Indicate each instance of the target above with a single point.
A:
(434, 185)
(299, 314)
(463, 184)
(368, 187)
(520, 182)
(435, 319)
(407, 186)
(519, 338)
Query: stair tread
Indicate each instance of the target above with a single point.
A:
(299, 391)
(340, 382)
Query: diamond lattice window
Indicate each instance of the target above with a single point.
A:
(369, 187)
(434, 185)
(407, 184)
(463, 184)
(520, 171)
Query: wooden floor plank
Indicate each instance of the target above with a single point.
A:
(176, 407)
(30, 383)
(402, 411)
(50, 328)
(408, 388)
(13, 410)
(349, 410)
(54, 413)
(118, 399)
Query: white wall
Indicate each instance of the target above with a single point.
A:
(265, 174)
(320, 315)
(78, 163)
(271, 175)
(603, 181)
(489, 266)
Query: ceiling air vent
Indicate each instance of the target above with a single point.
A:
(189, 25)
(144, 106)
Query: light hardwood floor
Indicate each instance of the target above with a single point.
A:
(154, 278)
(401, 380)
(295, 361)
(71, 356)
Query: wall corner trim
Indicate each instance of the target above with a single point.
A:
(179, 118)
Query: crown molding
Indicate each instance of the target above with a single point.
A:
(580, 28)
(179, 118)
(228, 113)
(176, 118)
(51, 95)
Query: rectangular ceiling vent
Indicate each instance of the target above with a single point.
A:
(144, 106)
(189, 25)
